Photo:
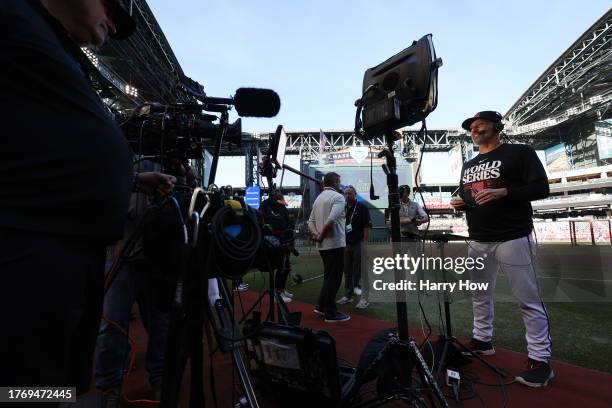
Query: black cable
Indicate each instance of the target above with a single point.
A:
(423, 133)
(234, 254)
(426, 321)
(372, 192)
(472, 378)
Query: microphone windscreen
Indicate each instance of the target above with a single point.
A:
(261, 103)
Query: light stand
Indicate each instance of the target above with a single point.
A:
(400, 345)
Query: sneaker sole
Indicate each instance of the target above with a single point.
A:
(521, 380)
(337, 321)
(318, 312)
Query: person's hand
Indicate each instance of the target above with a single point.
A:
(155, 183)
(317, 237)
(490, 194)
(405, 220)
(457, 202)
(190, 175)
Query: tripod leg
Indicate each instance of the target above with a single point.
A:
(257, 303)
(245, 379)
(283, 311)
(442, 358)
(424, 372)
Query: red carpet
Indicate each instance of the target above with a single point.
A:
(572, 386)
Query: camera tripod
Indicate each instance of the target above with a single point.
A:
(401, 345)
(274, 298)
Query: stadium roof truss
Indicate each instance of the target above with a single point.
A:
(143, 67)
(577, 84)
(307, 142)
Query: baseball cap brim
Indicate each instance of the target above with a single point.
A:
(491, 116)
(468, 122)
(124, 23)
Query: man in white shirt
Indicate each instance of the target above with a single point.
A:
(327, 226)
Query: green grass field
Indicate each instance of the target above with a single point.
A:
(581, 331)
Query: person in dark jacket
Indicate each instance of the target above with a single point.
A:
(65, 181)
(357, 227)
(276, 217)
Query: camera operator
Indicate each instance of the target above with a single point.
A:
(276, 216)
(412, 214)
(65, 181)
(137, 280)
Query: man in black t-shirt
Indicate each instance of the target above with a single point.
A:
(357, 234)
(65, 181)
(495, 191)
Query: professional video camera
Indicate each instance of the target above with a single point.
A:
(184, 130)
(176, 130)
(196, 234)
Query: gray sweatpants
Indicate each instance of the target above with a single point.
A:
(352, 268)
(516, 259)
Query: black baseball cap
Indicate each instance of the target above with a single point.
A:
(491, 116)
(124, 23)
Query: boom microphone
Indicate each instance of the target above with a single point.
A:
(260, 103)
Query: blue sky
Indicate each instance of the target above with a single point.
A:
(314, 53)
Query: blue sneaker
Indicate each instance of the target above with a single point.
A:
(337, 317)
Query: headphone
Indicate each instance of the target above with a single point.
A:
(498, 127)
(402, 189)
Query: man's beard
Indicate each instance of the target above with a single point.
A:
(482, 137)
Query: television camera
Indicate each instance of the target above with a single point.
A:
(184, 130)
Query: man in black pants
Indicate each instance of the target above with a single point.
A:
(276, 216)
(327, 226)
(65, 180)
